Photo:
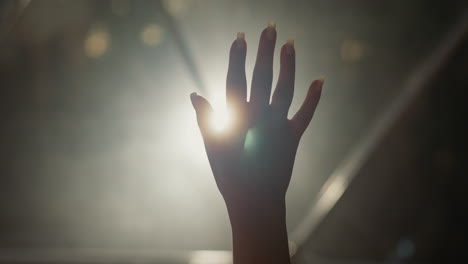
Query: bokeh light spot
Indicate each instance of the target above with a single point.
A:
(97, 43)
(152, 35)
(249, 140)
(176, 8)
(405, 249)
(352, 50)
(120, 7)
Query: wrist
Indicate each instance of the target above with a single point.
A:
(259, 231)
(251, 211)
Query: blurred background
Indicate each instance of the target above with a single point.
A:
(101, 159)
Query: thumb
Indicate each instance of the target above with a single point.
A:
(203, 109)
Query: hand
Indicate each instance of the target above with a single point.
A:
(252, 160)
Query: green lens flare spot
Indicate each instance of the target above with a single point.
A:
(251, 143)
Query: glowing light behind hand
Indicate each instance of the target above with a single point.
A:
(221, 120)
(222, 117)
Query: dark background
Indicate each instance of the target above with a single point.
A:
(99, 147)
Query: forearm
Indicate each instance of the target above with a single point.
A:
(259, 233)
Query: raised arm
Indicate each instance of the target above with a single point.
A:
(253, 158)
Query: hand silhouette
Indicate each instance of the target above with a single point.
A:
(253, 158)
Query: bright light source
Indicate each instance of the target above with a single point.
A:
(222, 117)
(221, 120)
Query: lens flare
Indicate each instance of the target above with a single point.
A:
(221, 119)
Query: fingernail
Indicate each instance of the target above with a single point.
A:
(271, 30)
(240, 39)
(319, 86)
(272, 24)
(290, 46)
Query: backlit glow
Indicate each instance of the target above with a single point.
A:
(211, 257)
(222, 117)
(221, 120)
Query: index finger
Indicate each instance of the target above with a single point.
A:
(236, 84)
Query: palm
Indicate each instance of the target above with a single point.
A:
(255, 157)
